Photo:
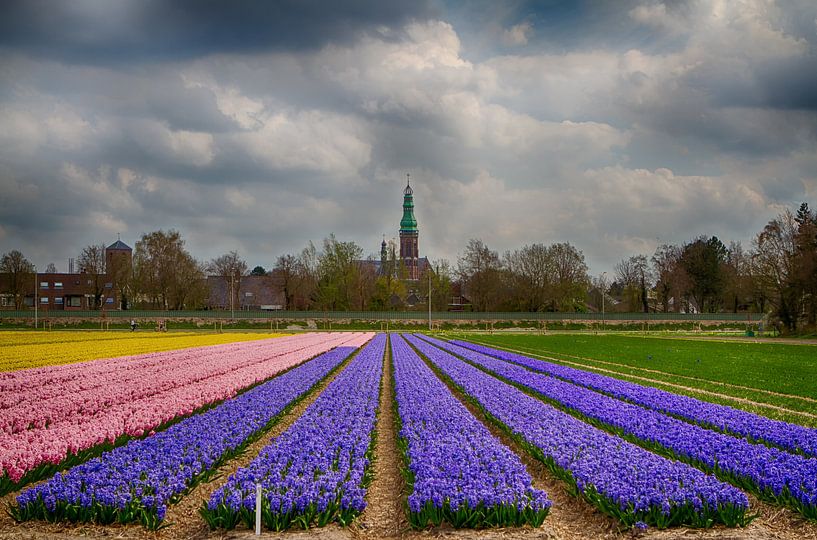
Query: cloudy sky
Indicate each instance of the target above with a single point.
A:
(614, 126)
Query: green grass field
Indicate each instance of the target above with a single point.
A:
(752, 371)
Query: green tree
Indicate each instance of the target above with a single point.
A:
(703, 261)
(166, 276)
(339, 275)
(388, 293)
(570, 280)
(805, 263)
(441, 284)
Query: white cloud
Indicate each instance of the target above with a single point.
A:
(191, 147)
(242, 109)
(309, 140)
(517, 34)
(241, 200)
(28, 127)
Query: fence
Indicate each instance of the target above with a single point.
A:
(386, 316)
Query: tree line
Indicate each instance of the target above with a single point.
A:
(777, 275)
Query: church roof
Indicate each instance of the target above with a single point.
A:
(409, 222)
(119, 244)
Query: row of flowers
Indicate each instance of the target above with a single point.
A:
(456, 470)
(118, 406)
(316, 471)
(624, 480)
(27, 350)
(69, 388)
(136, 482)
(771, 473)
(791, 437)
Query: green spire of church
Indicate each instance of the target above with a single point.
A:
(408, 223)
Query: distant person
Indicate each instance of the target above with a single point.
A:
(133, 325)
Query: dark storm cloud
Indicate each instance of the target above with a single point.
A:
(103, 31)
(263, 126)
(791, 84)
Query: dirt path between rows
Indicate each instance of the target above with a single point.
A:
(384, 516)
(183, 518)
(673, 385)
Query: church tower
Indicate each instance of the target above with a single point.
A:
(409, 250)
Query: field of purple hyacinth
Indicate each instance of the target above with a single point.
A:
(772, 473)
(138, 481)
(784, 435)
(476, 433)
(457, 471)
(316, 471)
(620, 478)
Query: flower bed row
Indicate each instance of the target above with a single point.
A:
(156, 391)
(791, 437)
(26, 349)
(88, 387)
(315, 472)
(136, 482)
(47, 382)
(771, 473)
(457, 471)
(620, 478)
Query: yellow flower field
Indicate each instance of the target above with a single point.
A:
(21, 350)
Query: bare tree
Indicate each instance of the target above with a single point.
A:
(21, 277)
(737, 288)
(633, 274)
(51, 268)
(288, 269)
(785, 253)
(308, 263)
(364, 283)
(479, 269)
(92, 263)
(668, 276)
(231, 268)
(529, 272)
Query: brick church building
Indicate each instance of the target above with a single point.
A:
(413, 266)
